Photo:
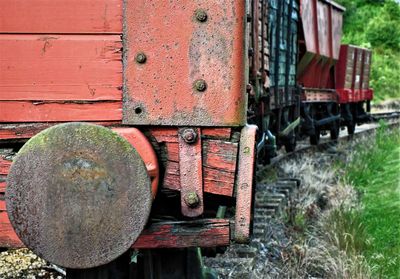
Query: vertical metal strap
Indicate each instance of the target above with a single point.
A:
(191, 174)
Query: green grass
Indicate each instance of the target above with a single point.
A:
(374, 171)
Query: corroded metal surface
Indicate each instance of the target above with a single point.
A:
(78, 195)
(191, 66)
(191, 172)
(146, 151)
(244, 186)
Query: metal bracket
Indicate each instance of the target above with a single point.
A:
(191, 171)
(244, 192)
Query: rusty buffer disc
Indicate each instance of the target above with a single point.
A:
(78, 195)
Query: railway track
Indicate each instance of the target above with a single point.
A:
(386, 115)
(273, 201)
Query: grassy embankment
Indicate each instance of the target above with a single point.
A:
(370, 231)
(375, 172)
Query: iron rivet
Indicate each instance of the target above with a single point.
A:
(200, 85)
(201, 15)
(141, 58)
(189, 136)
(192, 199)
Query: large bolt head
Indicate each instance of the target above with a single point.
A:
(141, 58)
(201, 15)
(200, 85)
(189, 135)
(192, 199)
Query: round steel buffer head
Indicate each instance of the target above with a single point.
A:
(78, 195)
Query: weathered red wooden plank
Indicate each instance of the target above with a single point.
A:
(217, 154)
(4, 165)
(60, 67)
(162, 134)
(173, 151)
(219, 133)
(218, 182)
(171, 178)
(219, 166)
(220, 155)
(2, 185)
(202, 233)
(59, 112)
(8, 238)
(62, 16)
(28, 130)
(171, 135)
(215, 181)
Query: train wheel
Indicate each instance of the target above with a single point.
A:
(351, 128)
(314, 139)
(335, 130)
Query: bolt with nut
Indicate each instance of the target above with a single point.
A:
(201, 15)
(192, 199)
(200, 85)
(189, 136)
(141, 58)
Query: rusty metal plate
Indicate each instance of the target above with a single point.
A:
(184, 62)
(322, 22)
(78, 195)
(244, 185)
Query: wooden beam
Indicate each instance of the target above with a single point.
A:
(219, 167)
(8, 238)
(201, 233)
(4, 166)
(18, 131)
(60, 68)
(61, 16)
(59, 112)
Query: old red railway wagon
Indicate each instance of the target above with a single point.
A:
(130, 118)
(167, 80)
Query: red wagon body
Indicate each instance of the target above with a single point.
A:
(322, 30)
(353, 74)
(173, 69)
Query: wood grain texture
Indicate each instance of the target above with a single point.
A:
(8, 238)
(61, 16)
(21, 131)
(201, 233)
(59, 112)
(2, 184)
(60, 67)
(4, 166)
(219, 166)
